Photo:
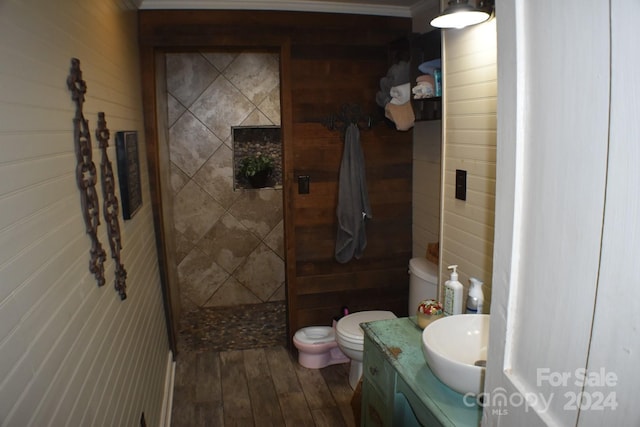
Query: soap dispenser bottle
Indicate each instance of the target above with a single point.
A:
(475, 300)
(453, 293)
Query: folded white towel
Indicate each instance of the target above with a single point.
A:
(400, 94)
(422, 90)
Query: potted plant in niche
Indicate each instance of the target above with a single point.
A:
(256, 169)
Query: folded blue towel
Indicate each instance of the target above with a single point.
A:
(429, 66)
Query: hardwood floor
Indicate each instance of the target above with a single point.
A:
(258, 387)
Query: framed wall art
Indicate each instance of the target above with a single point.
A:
(128, 172)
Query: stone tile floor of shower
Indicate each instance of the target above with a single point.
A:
(233, 369)
(233, 328)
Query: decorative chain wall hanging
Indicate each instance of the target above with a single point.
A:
(86, 172)
(110, 206)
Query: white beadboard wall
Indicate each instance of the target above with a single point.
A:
(470, 91)
(71, 354)
(427, 141)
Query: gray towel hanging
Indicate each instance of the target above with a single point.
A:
(353, 199)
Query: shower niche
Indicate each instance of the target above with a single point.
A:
(257, 150)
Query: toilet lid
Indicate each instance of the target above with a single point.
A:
(315, 335)
(424, 269)
(349, 326)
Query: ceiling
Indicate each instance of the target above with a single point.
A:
(400, 8)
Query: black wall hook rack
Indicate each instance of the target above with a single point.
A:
(348, 114)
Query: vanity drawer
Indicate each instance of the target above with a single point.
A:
(377, 370)
(377, 411)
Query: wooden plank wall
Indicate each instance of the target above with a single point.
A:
(379, 279)
(327, 60)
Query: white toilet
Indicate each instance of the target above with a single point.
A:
(423, 283)
(350, 338)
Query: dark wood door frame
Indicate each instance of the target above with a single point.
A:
(152, 58)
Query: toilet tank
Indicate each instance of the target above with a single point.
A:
(423, 282)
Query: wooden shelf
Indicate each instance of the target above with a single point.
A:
(425, 47)
(417, 49)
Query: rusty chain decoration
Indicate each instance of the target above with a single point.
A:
(86, 175)
(110, 206)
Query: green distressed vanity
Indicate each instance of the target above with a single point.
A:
(398, 387)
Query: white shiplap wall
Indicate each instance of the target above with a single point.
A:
(427, 141)
(71, 353)
(470, 90)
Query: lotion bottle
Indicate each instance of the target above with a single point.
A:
(453, 293)
(475, 300)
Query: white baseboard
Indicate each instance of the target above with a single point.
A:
(170, 375)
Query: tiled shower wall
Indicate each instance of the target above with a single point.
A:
(230, 244)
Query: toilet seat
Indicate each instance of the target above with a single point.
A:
(315, 335)
(349, 330)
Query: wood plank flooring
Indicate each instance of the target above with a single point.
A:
(258, 387)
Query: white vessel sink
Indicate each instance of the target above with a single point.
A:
(455, 348)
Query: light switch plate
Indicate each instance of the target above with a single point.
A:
(461, 184)
(303, 184)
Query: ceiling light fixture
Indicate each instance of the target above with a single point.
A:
(460, 14)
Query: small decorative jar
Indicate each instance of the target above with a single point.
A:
(428, 311)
